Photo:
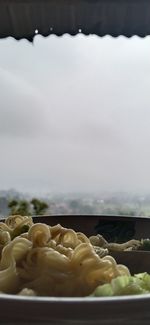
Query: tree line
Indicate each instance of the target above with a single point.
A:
(25, 207)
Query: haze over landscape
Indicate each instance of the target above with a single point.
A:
(75, 114)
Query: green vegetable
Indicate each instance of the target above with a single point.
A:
(125, 285)
(145, 245)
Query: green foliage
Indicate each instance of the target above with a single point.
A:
(145, 245)
(39, 206)
(25, 208)
(21, 207)
(12, 203)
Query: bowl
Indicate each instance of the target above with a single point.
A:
(124, 310)
(75, 311)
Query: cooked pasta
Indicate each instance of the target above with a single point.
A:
(37, 259)
(100, 242)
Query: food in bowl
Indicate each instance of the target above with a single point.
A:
(50, 260)
(41, 260)
(100, 242)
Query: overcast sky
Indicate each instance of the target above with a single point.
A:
(75, 114)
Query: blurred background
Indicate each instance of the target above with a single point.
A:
(74, 125)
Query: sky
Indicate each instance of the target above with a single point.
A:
(75, 114)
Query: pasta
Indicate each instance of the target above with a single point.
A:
(99, 241)
(37, 259)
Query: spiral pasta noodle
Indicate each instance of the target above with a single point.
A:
(37, 259)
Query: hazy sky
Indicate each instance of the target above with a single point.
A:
(75, 114)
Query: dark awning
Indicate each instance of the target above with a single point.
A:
(21, 18)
